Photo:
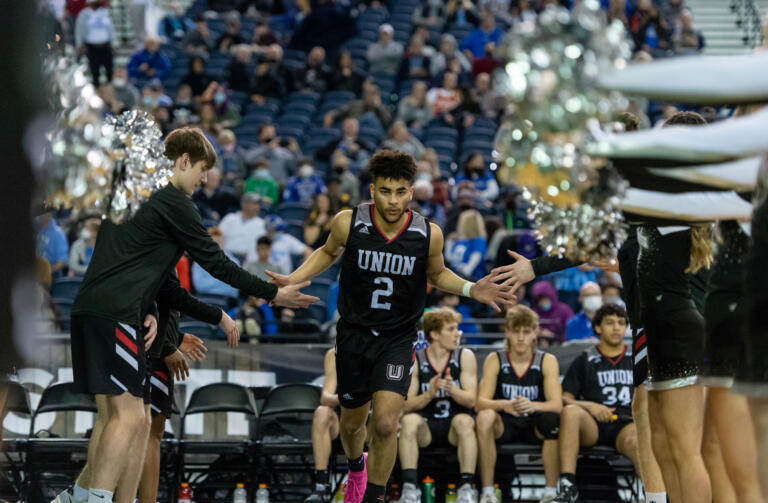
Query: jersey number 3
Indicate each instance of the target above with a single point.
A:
(386, 291)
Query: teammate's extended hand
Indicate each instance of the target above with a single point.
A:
(601, 412)
(290, 296)
(515, 275)
(178, 365)
(228, 326)
(280, 280)
(488, 292)
(606, 265)
(150, 323)
(192, 347)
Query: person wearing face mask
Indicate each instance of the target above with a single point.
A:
(580, 326)
(305, 186)
(350, 184)
(231, 160)
(483, 180)
(82, 249)
(553, 314)
(262, 183)
(227, 115)
(125, 92)
(422, 194)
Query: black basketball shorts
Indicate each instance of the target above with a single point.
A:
(439, 430)
(107, 357)
(160, 388)
(523, 429)
(367, 363)
(607, 433)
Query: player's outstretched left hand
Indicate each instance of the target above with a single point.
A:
(280, 280)
(515, 274)
(488, 292)
(290, 296)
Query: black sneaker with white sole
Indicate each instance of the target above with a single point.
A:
(567, 494)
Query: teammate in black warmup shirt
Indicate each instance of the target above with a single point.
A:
(597, 392)
(438, 411)
(388, 255)
(130, 262)
(519, 400)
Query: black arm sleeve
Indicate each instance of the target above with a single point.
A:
(550, 263)
(172, 335)
(187, 227)
(179, 299)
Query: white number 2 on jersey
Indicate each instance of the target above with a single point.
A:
(382, 292)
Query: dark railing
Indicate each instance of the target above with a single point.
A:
(749, 19)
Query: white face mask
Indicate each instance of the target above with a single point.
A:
(592, 303)
(306, 171)
(85, 234)
(613, 300)
(118, 82)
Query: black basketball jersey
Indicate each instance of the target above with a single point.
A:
(510, 385)
(443, 406)
(383, 283)
(596, 378)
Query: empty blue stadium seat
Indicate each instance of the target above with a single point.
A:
(293, 211)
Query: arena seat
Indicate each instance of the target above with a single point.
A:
(14, 398)
(199, 328)
(66, 288)
(212, 465)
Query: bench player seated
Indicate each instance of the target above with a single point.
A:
(597, 393)
(438, 411)
(519, 400)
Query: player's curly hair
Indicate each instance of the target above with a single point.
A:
(436, 319)
(393, 165)
(608, 310)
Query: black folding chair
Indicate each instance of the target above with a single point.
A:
(54, 459)
(13, 398)
(213, 466)
(284, 438)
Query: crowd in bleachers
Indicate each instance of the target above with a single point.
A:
(296, 97)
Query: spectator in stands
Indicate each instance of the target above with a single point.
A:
(568, 283)
(329, 24)
(426, 36)
(465, 252)
(519, 400)
(227, 113)
(580, 326)
(687, 39)
(242, 228)
(150, 62)
(305, 185)
(422, 194)
(671, 11)
(462, 13)
(51, 243)
(491, 103)
(617, 9)
(82, 249)
(553, 314)
(107, 94)
(94, 36)
(231, 35)
(514, 214)
(153, 95)
(523, 12)
(262, 38)
(487, 63)
(208, 122)
(268, 83)
(446, 98)
(262, 183)
(384, 56)
(414, 109)
(401, 139)
(175, 24)
(183, 105)
(448, 49)
(648, 29)
(357, 150)
(198, 40)
(474, 45)
(196, 78)
(428, 168)
(125, 92)
(204, 283)
(214, 200)
(230, 158)
(370, 104)
(263, 261)
(349, 183)
(314, 76)
(597, 394)
(339, 198)
(476, 172)
(612, 294)
(345, 77)
(432, 13)
(415, 63)
(317, 225)
(282, 156)
(284, 245)
(464, 114)
(465, 200)
(240, 70)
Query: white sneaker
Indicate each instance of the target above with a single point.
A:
(548, 498)
(489, 498)
(411, 494)
(64, 497)
(466, 494)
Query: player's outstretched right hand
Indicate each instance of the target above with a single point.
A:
(290, 296)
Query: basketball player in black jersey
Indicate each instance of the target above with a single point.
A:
(519, 400)
(597, 393)
(438, 411)
(388, 254)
